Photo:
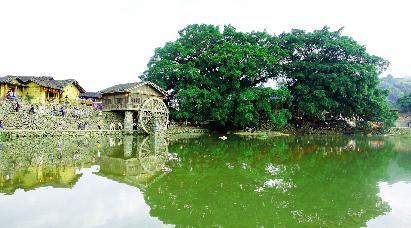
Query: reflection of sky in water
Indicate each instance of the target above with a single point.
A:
(398, 197)
(94, 202)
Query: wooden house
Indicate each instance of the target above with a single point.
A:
(141, 101)
(40, 89)
(91, 96)
(130, 96)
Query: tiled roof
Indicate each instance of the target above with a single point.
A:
(128, 87)
(44, 81)
(120, 88)
(90, 95)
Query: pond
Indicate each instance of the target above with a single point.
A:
(314, 181)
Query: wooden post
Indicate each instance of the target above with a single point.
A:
(128, 145)
(128, 122)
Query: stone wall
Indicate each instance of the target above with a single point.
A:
(400, 131)
(46, 122)
(46, 119)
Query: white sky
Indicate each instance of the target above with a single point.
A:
(105, 42)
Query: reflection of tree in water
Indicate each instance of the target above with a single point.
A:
(29, 163)
(138, 162)
(328, 181)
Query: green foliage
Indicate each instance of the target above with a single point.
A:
(256, 105)
(328, 72)
(405, 103)
(215, 75)
(281, 118)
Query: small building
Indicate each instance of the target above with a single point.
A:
(91, 99)
(91, 96)
(404, 120)
(40, 89)
(130, 96)
(142, 103)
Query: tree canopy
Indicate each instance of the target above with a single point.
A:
(328, 72)
(218, 74)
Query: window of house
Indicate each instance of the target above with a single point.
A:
(136, 100)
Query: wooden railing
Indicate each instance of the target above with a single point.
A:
(108, 107)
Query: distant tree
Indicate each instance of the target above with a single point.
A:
(404, 103)
(217, 75)
(327, 72)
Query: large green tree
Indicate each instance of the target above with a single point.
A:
(327, 72)
(216, 74)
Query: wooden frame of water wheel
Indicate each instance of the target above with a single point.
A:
(153, 116)
(153, 154)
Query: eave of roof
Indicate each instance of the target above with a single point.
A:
(128, 87)
(45, 81)
(91, 94)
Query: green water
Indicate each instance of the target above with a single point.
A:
(310, 181)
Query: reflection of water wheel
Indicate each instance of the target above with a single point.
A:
(153, 153)
(153, 116)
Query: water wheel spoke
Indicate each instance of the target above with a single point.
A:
(153, 154)
(153, 116)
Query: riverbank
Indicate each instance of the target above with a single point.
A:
(181, 131)
(49, 133)
(402, 131)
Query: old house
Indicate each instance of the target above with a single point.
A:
(40, 89)
(91, 96)
(141, 102)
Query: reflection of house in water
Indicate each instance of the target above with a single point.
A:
(38, 176)
(30, 163)
(136, 161)
(376, 143)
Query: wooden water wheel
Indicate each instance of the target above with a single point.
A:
(153, 153)
(153, 117)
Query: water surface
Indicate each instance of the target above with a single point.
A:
(314, 181)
